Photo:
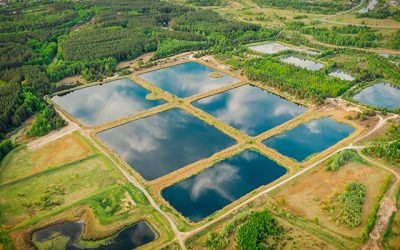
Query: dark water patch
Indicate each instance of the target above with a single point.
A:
(162, 143)
(309, 138)
(187, 79)
(382, 95)
(250, 109)
(131, 237)
(103, 103)
(218, 186)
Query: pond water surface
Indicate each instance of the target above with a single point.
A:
(218, 186)
(381, 95)
(341, 75)
(131, 237)
(371, 5)
(187, 79)
(106, 102)
(309, 138)
(273, 48)
(303, 63)
(162, 143)
(250, 109)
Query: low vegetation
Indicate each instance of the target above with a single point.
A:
(351, 202)
(324, 6)
(341, 159)
(386, 147)
(261, 231)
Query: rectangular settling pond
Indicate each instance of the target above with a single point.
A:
(250, 109)
(162, 143)
(303, 63)
(382, 95)
(222, 184)
(188, 79)
(309, 138)
(106, 102)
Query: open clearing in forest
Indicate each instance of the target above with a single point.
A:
(307, 195)
(66, 149)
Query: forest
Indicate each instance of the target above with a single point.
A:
(313, 85)
(357, 36)
(325, 7)
(386, 147)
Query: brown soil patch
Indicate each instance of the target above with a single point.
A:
(307, 195)
(68, 148)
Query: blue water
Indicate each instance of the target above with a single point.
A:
(309, 138)
(250, 109)
(103, 103)
(162, 143)
(381, 95)
(187, 79)
(218, 186)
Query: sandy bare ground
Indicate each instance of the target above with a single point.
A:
(52, 136)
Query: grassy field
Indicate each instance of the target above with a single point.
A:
(22, 162)
(44, 193)
(314, 195)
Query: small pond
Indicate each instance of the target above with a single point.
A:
(273, 48)
(341, 75)
(382, 95)
(371, 5)
(309, 138)
(188, 79)
(250, 109)
(303, 63)
(162, 143)
(269, 48)
(106, 102)
(218, 186)
(67, 235)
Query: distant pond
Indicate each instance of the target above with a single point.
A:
(309, 138)
(188, 79)
(218, 186)
(106, 102)
(250, 109)
(303, 63)
(382, 95)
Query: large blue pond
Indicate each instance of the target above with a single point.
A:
(309, 138)
(187, 79)
(381, 95)
(162, 143)
(218, 186)
(103, 103)
(250, 109)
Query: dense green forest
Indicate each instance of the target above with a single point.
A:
(314, 85)
(357, 36)
(351, 202)
(387, 147)
(258, 232)
(342, 158)
(325, 7)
